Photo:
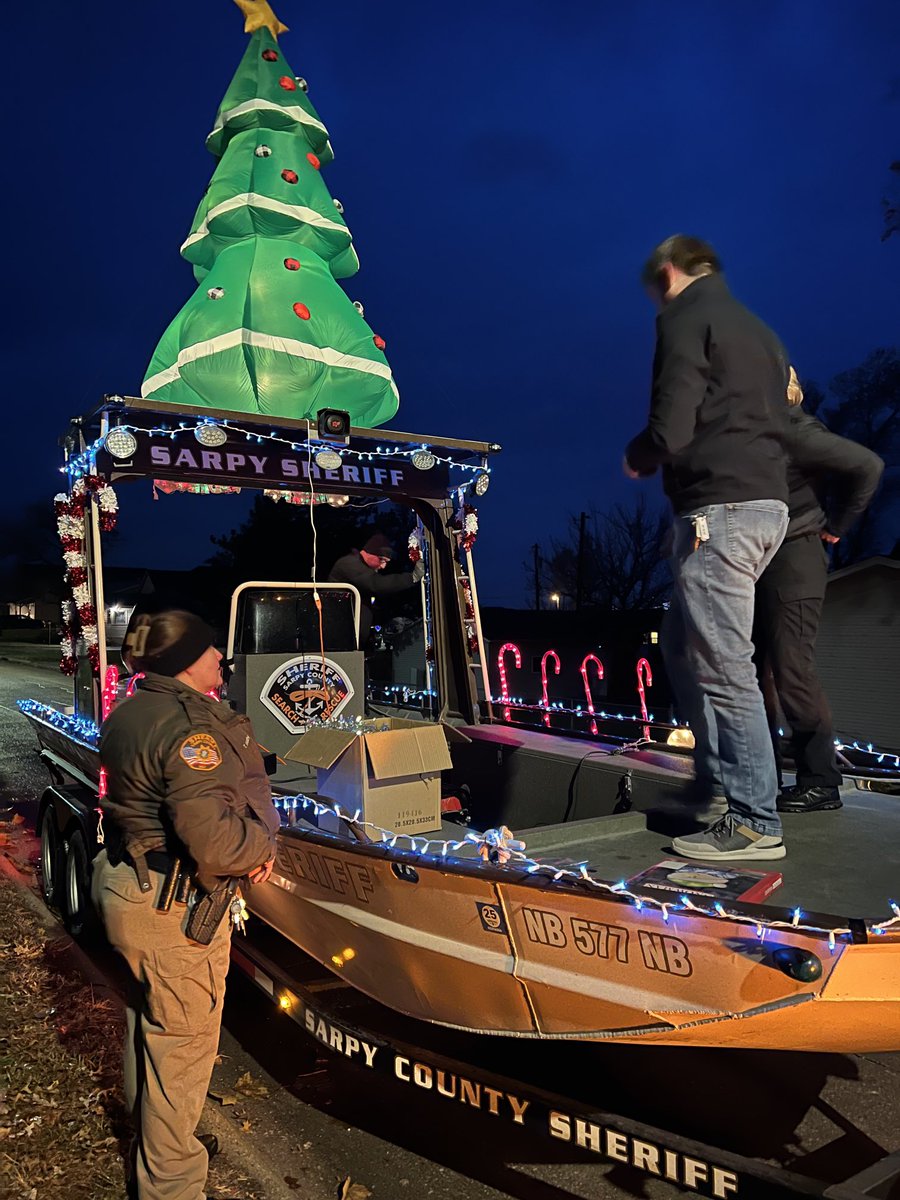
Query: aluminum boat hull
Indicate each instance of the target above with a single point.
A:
(495, 951)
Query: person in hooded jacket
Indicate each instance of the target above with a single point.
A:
(187, 797)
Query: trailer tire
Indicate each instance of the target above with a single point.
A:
(78, 912)
(52, 860)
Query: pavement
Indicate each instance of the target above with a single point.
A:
(304, 1123)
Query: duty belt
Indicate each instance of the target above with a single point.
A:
(177, 884)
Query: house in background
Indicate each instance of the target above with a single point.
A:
(37, 590)
(32, 591)
(858, 653)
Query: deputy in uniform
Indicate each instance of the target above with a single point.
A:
(187, 795)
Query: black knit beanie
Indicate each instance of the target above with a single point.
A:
(166, 643)
(379, 546)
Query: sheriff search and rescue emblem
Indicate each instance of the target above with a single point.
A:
(201, 752)
(306, 689)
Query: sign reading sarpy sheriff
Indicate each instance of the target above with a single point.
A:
(390, 770)
(238, 462)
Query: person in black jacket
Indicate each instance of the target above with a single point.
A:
(790, 593)
(362, 567)
(716, 427)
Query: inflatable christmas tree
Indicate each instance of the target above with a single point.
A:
(269, 329)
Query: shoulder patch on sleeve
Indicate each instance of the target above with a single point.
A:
(201, 752)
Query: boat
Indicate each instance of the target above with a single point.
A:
(513, 915)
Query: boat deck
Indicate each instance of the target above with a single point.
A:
(845, 863)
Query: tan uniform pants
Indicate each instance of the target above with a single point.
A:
(174, 1016)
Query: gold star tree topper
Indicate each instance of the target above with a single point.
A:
(259, 15)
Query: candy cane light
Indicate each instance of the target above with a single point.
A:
(506, 648)
(644, 679)
(591, 658)
(545, 698)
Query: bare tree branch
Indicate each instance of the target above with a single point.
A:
(623, 567)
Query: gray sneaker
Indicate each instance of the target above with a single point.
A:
(728, 839)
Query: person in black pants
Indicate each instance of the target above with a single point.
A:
(790, 592)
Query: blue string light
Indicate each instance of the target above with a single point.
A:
(80, 729)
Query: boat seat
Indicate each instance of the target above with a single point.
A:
(526, 779)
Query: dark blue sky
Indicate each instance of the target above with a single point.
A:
(505, 168)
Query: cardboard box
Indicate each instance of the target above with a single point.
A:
(393, 775)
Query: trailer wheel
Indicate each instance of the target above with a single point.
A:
(78, 913)
(52, 863)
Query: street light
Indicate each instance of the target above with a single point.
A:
(554, 596)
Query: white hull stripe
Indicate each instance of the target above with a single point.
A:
(636, 999)
(420, 938)
(264, 341)
(294, 111)
(297, 212)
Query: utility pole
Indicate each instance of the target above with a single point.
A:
(579, 577)
(537, 576)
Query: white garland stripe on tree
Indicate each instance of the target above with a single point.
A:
(265, 341)
(293, 111)
(299, 212)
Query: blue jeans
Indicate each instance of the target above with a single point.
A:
(709, 652)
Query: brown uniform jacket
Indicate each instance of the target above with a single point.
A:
(184, 774)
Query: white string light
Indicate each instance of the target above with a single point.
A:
(84, 463)
(86, 733)
(517, 859)
(518, 702)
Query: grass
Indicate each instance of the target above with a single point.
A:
(64, 1130)
(62, 1114)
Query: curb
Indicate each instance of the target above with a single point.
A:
(50, 668)
(239, 1150)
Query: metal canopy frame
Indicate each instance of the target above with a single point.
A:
(117, 405)
(452, 665)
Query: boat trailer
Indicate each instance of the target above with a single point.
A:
(306, 993)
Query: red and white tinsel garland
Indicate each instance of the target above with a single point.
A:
(80, 613)
(465, 522)
(469, 614)
(415, 547)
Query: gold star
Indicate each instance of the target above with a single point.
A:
(259, 15)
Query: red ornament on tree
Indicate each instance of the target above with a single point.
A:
(314, 160)
(270, 55)
(379, 342)
(292, 264)
(302, 311)
(287, 83)
(289, 176)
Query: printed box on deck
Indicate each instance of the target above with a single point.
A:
(392, 775)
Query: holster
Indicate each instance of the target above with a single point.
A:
(208, 911)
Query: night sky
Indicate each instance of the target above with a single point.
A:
(505, 169)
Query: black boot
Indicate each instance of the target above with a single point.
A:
(807, 800)
(210, 1143)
